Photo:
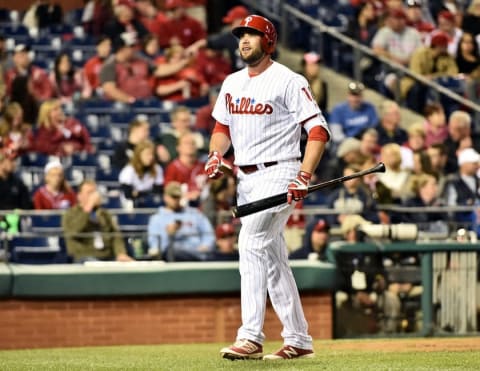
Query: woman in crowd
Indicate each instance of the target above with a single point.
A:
(58, 134)
(311, 70)
(16, 135)
(69, 83)
(142, 176)
(56, 193)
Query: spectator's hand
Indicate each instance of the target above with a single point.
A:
(298, 188)
(94, 200)
(203, 248)
(68, 148)
(124, 258)
(172, 228)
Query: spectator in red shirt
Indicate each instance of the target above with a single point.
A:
(92, 67)
(188, 169)
(38, 81)
(187, 83)
(58, 134)
(180, 28)
(69, 82)
(56, 193)
(150, 16)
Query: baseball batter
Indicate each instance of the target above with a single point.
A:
(260, 111)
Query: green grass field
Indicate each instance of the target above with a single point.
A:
(412, 354)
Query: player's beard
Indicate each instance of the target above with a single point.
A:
(254, 58)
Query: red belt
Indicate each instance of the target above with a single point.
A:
(248, 169)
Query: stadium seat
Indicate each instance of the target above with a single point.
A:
(133, 221)
(37, 250)
(45, 224)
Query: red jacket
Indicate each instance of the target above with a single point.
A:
(51, 141)
(194, 176)
(39, 80)
(43, 199)
(186, 29)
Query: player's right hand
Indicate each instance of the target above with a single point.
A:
(212, 167)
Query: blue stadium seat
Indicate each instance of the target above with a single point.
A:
(37, 250)
(50, 224)
(133, 221)
(33, 159)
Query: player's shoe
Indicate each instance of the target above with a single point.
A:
(289, 352)
(243, 349)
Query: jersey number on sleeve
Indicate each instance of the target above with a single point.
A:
(307, 93)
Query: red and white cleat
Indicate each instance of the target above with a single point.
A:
(289, 352)
(243, 349)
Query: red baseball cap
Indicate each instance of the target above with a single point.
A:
(445, 14)
(237, 12)
(224, 230)
(129, 3)
(440, 39)
(397, 13)
(173, 4)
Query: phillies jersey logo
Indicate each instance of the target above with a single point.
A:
(247, 106)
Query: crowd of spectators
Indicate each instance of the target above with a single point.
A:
(139, 52)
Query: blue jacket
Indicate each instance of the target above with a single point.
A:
(195, 231)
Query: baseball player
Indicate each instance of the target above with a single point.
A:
(260, 111)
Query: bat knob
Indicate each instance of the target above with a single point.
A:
(381, 167)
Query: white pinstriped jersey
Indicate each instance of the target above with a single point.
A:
(264, 113)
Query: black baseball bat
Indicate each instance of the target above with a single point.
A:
(271, 201)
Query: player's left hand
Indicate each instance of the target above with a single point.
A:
(298, 188)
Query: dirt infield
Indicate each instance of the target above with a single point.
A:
(406, 345)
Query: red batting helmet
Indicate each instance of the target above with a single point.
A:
(262, 25)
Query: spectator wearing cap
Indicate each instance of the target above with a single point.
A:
(93, 65)
(38, 82)
(471, 19)
(315, 242)
(416, 18)
(15, 194)
(430, 62)
(352, 197)
(16, 136)
(395, 40)
(464, 188)
(224, 40)
(177, 232)
(388, 128)
(124, 21)
(351, 118)
(180, 28)
(225, 243)
(446, 23)
(311, 70)
(56, 193)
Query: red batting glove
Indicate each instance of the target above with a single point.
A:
(298, 188)
(212, 167)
